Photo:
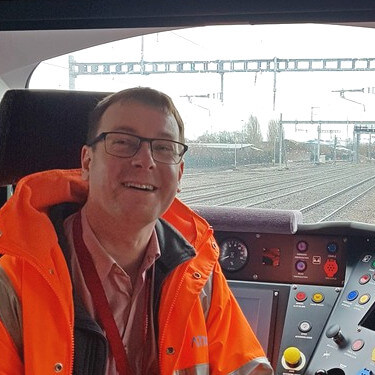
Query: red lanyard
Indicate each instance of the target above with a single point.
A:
(100, 300)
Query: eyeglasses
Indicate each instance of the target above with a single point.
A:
(124, 145)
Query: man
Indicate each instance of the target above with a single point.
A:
(93, 281)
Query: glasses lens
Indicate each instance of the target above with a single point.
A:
(122, 145)
(168, 152)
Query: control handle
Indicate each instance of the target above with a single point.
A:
(334, 332)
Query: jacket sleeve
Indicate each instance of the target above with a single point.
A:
(233, 346)
(10, 363)
(10, 328)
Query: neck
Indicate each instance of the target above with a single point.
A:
(125, 240)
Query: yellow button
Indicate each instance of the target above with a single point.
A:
(292, 355)
(318, 297)
(364, 299)
(373, 355)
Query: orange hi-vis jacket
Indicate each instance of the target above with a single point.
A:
(200, 327)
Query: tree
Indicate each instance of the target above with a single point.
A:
(252, 132)
(221, 137)
(273, 131)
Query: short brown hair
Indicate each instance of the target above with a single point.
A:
(144, 95)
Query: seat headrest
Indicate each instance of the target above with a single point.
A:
(42, 129)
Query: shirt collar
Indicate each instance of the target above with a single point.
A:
(103, 261)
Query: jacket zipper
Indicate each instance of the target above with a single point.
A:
(205, 236)
(70, 324)
(39, 270)
(162, 338)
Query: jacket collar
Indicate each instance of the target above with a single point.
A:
(35, 194)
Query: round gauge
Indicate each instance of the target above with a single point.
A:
(233, 254)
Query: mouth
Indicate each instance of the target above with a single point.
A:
(143, 187)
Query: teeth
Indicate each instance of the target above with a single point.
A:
(139, 186)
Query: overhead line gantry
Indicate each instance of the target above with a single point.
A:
(220, 67)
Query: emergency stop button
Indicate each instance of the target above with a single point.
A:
(293, 359)
(292, 356)
(300, 297)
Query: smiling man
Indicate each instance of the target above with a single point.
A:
(105, 272)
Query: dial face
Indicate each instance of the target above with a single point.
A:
(233, 254)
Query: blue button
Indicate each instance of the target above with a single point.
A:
(332, 247)
(352, 295)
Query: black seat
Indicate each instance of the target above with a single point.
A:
(41, 130)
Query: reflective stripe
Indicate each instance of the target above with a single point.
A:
(10, 311)
(201, 369)
(206, 296)
(257, 366)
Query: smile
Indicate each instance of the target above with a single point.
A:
(144, 187)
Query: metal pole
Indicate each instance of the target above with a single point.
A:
(334, 150)
(369, 147)
(274, 82)
(280, 139)
(357, 143)
(72, 75)
(354, 156)
(235, 155)
(222, 87)
(142, 62)
(274, 151)
(318, 145)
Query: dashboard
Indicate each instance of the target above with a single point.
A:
(306, 289)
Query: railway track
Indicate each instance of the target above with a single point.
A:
(320, 193)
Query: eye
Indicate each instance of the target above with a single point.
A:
(123, 141)
(164, 146)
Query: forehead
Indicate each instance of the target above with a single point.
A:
(139, 118)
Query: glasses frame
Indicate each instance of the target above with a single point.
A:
(103, 135)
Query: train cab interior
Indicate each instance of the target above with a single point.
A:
(307, 287)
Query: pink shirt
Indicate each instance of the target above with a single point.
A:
(132, 313)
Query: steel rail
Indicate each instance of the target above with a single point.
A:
(325, 218)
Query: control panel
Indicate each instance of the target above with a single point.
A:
(308, 295)
(305, 259)
(347, 345)
(308, 309)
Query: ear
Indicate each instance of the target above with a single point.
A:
(86, 156)
(180, 173)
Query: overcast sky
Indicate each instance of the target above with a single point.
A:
(298, 95)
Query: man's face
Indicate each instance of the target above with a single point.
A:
(136, 188)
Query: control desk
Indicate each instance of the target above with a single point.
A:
(308, 290)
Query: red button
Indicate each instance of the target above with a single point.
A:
(357, 345)
(364, 279)
(300, 296)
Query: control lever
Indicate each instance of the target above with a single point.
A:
(332, 371)
(334, 332)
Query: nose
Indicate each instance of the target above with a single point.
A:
(143, 157)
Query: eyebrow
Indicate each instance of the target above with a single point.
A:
(127, 129)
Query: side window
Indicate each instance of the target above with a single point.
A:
(282, 115)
